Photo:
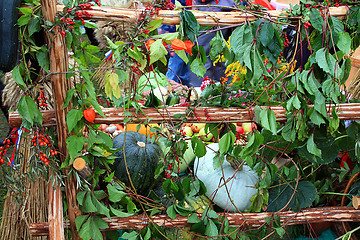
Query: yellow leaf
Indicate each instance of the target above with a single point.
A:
(114, 80)
(117, 92)
(108, 89)
(106, 153)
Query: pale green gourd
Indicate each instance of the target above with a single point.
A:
(241, 187)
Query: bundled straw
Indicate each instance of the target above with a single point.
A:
(17, 216)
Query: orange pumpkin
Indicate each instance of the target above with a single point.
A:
(143, 129)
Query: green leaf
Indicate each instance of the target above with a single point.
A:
(226, 142)
(79, 221)
(100, 223)
(34, 25)
(155, 24)
(17, 76)
(193, 218)
(74, 145)
(266, 34)
(316, 19)
(311, 146)
(211, 229)
(198, 67)
(279, 196)
(182, 55)
(344, 42)
(73, 117)
(171, 212)
(268, 120)
(85, 231)
(157, 51)
(321, 60)
(115, 192)
(89, 206)
(119, 213)
(198, 146)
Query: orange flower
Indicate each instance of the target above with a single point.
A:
(148, 43)
(189, 46)
(177, 44)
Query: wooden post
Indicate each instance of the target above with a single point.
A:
(59, 63)
(55, 208)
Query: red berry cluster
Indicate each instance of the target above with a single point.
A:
(307, 25)
(41, 139)
(85, 6)
(170, 166)
(3, 150)
(98, 2)
(41, 100)
(286, 42)
(68, 22)
(198, 118)
(208, 118)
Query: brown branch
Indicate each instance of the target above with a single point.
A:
(171, 17)
(306, 216)
(346, 111)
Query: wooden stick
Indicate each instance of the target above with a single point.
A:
(311, 215)
(347, 111)
(171, 17)
(58, 55)
(82, 167)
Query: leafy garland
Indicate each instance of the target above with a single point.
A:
(257, 75)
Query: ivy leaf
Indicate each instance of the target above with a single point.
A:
(311, 146)
(79, 221)
(182, 55)
(43, 59)
(254, 141)
(155, 24)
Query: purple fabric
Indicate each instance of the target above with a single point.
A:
(226, 3)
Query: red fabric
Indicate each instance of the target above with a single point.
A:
(264, 3)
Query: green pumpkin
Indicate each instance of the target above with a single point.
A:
(142, 158)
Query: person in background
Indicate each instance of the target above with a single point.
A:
(178, 70)
(217, 71)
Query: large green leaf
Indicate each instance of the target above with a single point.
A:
(279, 196)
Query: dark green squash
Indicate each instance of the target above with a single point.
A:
(142, 158)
